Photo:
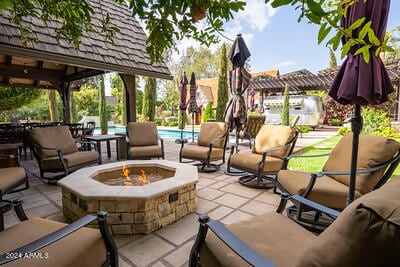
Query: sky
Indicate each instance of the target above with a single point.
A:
(277, 41)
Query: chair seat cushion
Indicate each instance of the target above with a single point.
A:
(146, 151)
(326, 191)
(272, 235)
(72, 160)
(84, 247)
(200, 152)
(367, 233)
(11, 177)
(250, 161)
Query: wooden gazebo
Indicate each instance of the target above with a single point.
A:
(49, 63)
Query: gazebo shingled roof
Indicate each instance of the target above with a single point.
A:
(56, 64)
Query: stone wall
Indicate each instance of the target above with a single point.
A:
(132, 216)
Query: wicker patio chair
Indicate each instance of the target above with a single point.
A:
(56, 151)
(254, 124)
(210, 147)
(366, 233)
(378, 157)
(42, 242)
(143, 141)
(271, 145)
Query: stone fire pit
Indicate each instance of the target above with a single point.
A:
(132, 209)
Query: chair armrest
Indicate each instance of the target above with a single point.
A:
(51, 238)
(244, 251)
(301, 200)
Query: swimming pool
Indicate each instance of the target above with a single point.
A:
(164, 133)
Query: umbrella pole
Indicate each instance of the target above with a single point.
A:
(192, 127)
(356, 126)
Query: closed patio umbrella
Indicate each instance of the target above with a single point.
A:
(252, 93)
(261, 102)
(357, 81)
(238, 79)
(183, 105)
(193, 108)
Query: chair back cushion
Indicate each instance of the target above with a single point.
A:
(367, 233)
(372, 151)
(273, 136)
(210, 131)
(53, 137)
(142, 133)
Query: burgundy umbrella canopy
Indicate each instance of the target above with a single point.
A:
(184, 82)
(357, 81)
(252, 104)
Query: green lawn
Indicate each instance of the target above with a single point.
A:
(311, 164)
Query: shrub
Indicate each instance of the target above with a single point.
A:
(158, 121)
(335, 122)
(303, 128)
(375, 121)
(344, 130)
(173, 124)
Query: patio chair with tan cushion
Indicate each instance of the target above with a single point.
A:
(254, 124)
(56, 151)
(42, 242)
(13, 178)
(366, 233)
(210, 147)
(271, 145)
(378, 157)
(143, 141)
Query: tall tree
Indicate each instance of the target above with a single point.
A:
(13, 97)
(208, 112)
(149, 100)
(285, 110)
(51, 95)
(103, 116)
(332, 59)
(222, 86)
(118, 91)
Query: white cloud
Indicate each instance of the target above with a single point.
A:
(285, 63)
(256, 14)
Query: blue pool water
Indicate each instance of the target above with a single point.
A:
(164, 133)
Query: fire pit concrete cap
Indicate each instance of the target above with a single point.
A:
(82, 183)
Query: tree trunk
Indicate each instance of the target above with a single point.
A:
(51, 94)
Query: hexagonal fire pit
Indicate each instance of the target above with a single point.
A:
(137, 208)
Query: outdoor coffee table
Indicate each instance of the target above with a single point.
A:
(100, 138)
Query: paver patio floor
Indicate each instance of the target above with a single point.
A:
(218, 195)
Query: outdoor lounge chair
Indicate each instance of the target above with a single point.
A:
(210, 147)
(254, 124)
(41, 242)
(366, 233)
(12, 179)
(378, 157)
(271, 145)
(143, 141)
(56, 151)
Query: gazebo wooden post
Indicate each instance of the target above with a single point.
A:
(130, 89)
(64, 90)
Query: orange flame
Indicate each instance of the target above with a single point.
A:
(142, 178)
(125, 173)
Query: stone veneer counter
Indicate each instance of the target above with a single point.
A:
(132, 209)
